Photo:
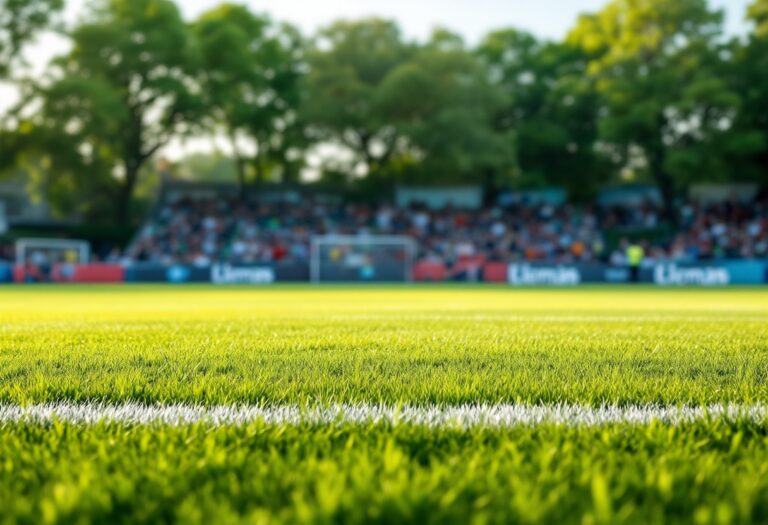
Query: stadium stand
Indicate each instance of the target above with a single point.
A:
(200, 226)
(199, 231)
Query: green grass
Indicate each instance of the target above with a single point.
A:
(443, 346)
(431, 345)
(703, 473)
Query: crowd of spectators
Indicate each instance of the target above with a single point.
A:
(201, 231)
(725, 230)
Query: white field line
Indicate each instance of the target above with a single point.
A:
(465, 416)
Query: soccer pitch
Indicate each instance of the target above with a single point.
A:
(390, 405)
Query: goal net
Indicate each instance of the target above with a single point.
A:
(375, 258)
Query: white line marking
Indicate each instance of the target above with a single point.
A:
(465, 416)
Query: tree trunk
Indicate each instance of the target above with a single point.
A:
(665, 183)
(134, 157)
(240, 166)
(125, 194)
(368, 158)
(656, 151)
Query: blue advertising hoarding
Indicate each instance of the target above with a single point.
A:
(710, 274)
(6, 273)
(715, 273)
(223, 273)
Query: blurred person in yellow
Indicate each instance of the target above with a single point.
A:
(635, 256)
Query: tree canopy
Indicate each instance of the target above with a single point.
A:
(640, 90)
(345, 103)
(251, 91)
(122, 93)
(748, 71)
(655, 66)
(550, 106)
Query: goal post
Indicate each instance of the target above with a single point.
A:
(368, 258)
(52, 251)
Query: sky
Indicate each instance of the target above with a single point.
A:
(472, 18)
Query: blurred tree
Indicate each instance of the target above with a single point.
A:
(443, 104)
(748, 70)
(126, 88)
(250, 79)
(552, 108)
(348, 65)
(20, 21)
(647, 85)
(655, 65)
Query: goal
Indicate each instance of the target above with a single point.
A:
(370, 258)
(48, 252)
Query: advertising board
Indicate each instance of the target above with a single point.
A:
(228, 274)
(714, 273)
(223, 273)
(710, 274)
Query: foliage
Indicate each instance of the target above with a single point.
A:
(20, 21)
(409, 113)
(250, 79)
(640, 90)
(119, 96)
(748, 73)
(552, 109)
(444, 106)
(655, 65)
(348, 65)
(758, 13)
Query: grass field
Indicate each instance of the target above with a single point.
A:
(389, 405)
